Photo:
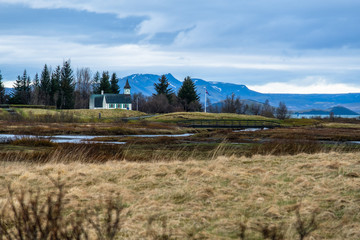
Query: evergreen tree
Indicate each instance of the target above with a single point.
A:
(188, 95)
(105, 83)
(45, 86)
(22, 89)
(162, 88)
(55, 87)
(114, 84)
(2, 90)
(96, 83)
(67, 86)
(35, 94)
(36, 81)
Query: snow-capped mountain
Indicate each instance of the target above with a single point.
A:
(218, 91)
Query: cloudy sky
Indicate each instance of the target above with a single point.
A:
(269, 45)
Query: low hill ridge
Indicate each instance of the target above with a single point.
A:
(337, 110)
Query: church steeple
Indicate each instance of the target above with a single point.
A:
(127, 87)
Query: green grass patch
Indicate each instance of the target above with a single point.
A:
(341, 125)
(180, 116)
(294, 122)
(72, 115)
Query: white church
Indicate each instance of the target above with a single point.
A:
(112, 101)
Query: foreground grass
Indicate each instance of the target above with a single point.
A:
(211, 199)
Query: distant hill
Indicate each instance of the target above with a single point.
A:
(338, 110)
(218, 91)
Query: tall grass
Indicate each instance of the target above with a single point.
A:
(36, 150)
(27, 216)
(48, 117)
(222, 198)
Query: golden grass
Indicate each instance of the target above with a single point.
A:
(83, 114)
(212, 199)
(201, 115)
(341, 125)
(105, 113)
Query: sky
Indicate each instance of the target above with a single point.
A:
(272, 46)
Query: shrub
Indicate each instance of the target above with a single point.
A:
(31, 218)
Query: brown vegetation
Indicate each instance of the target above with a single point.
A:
(263, 197)
(103, 128)
(29, 216)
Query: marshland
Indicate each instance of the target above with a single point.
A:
(297, 181)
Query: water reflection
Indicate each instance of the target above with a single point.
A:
(81, 138)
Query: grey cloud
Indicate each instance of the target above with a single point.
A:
(226, 24)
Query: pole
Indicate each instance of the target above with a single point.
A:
(205, 99)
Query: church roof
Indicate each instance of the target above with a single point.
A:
(110, 99)
(127, 85)
(117, 98)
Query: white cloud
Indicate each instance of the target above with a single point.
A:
(51, 50)
(312, 84)
(227, 36)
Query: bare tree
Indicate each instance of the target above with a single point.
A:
(267, 110)
(282, 111)
(82, 87)
(139, 102)
(255, 109)
(159, 104)
(232, 104)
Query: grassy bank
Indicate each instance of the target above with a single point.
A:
(179, 116)
(223, 198)
(73, 115)
(91, 128)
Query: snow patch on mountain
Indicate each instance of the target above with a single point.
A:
(216, 88)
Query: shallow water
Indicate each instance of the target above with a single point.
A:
(81, 138)
(250, 129)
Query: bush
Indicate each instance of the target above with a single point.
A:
(30, 218)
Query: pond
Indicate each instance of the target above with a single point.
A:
(82, 138)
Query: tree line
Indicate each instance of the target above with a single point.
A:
(59, 87)
(233, 104)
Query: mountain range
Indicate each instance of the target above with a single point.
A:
(218, 91)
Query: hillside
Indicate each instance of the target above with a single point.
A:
(218, 91)
(338, 110)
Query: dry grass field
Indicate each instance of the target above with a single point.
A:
(220, 198)
(83, 114)
(72, 115)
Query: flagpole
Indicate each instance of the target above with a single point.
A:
(205, 99)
